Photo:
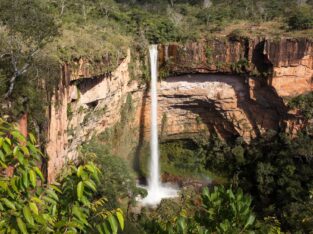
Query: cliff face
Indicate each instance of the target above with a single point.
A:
(86, 104)
(286, 64)
(228, 105)
(233, 88)
(292, 61)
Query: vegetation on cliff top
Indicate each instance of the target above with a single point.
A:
(37, 36)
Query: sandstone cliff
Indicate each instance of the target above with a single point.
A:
(286, 64)
(233, 88)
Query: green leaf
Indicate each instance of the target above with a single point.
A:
(250, 221)
(113, 223)
(55, 188)
(2, 223)
(105, 228)
(13, 184)
(32, 138)
(78, 213)
(33, 207)
(6, 148)
(2, 157)
(80, 171)
(20, 157)
(80, 190)
(54, 210)
(52, 194)
(25, 179)
(90, 185)
(91, 168)
(120, 218)
(4, 185)
(8, 140)
(39, 173)
(1, 141)
(32, 177)
(3, 165)
(37, 200)
(18, 136)
(15, 151)
(21, 225)
(8, 203)
(25, 150)
(28, 216)
(49, 200)
(98, 227)
(182, 224)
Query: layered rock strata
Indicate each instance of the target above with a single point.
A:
(287, 64)
(233, 88)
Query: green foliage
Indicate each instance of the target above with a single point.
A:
(226, 211)
(27, 74)
(237, 35)
(118, 182)
(301, 18)
(304, 103)
(216, 210)
(181, 158)
(28, 206)
(240, 66)
(275, 170)
(30, 19)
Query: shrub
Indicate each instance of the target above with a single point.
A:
(304, 103)
(236, 35)
(216, 210)
(28, 206)
(301, 19)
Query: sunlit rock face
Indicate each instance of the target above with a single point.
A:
(85, 105)
(197, 99)
(191, 104)
(292, 61)
(287, 63)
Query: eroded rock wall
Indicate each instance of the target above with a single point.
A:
(233, 88)
(84, 106)
(207, 103)
(287, 64)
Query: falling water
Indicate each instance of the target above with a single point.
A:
(156, 190)
(154, 180)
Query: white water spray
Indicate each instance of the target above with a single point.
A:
(154, 180)
(156, 190)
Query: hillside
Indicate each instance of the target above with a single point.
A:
(234, 115)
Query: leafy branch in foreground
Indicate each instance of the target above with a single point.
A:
(28, 206)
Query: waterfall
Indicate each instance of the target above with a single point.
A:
(154, 179)
(156, 190)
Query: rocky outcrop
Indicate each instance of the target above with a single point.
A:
(231, 87)
(287, 64)
(191, 104)
(82, 108)
(292, 61)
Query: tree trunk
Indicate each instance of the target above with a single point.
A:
(11, 87)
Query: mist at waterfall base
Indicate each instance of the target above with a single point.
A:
(156, 190)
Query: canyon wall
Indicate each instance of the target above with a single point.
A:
(286, 64)
(85, 105)
(230, 87)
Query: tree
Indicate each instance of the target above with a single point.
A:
(27, 205)
(301, 19)
(28, 27)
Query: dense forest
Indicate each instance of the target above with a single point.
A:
(262, 186)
